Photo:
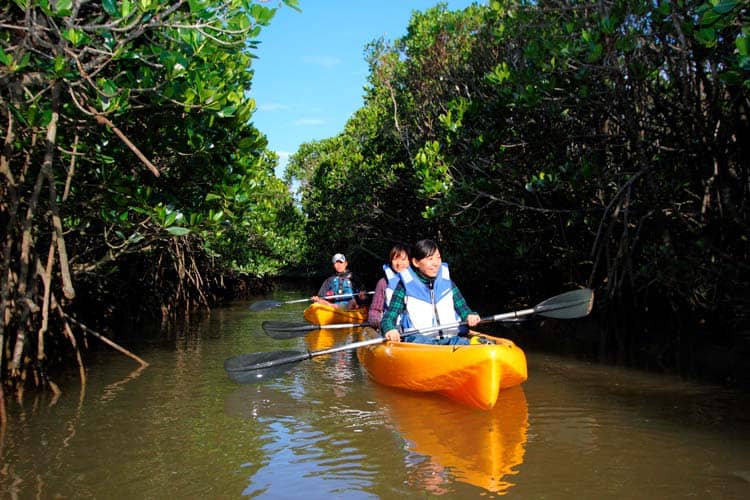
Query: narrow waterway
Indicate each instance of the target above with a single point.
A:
(181, 428)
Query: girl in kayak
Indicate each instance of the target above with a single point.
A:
(398, 259)
(429, 298)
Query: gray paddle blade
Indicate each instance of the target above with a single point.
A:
(284, 330)
(263, 305)
(572, 304)
(259, 366)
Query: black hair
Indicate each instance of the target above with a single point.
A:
(423, 248)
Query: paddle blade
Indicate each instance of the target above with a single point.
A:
(284, 330)
(259, 366)
(263, 305)
(568, 305)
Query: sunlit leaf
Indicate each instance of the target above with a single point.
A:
(178, 231)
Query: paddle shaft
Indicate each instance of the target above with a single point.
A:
(262, 305)
(342, 296)
(311, 354)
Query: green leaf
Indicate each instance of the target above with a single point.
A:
(743, 45)
(178, 231)
(126, 8)
(294, 4)
(725, 6)
(110, 7)
(63, 7)
(706, 36)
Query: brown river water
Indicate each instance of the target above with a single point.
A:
(180, 428)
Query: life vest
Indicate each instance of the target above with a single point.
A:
(429, 307)
(392, 280)
(341, 284)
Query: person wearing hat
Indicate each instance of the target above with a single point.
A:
(341, 283)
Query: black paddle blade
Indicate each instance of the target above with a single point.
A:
(263, 305)
(572, 304)
(284, 330)
(259, 366)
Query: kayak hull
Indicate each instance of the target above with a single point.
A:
(324, 314)
(471, 374)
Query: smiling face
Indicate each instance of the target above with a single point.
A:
(399, 262)
(430, 265)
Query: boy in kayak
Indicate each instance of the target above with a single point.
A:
(429, 298)
(341, 283)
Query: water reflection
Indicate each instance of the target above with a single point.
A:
(182, 429)
(325, 338)
(258, 401)
(450, 442)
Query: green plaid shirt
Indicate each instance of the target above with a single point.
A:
(397, 305)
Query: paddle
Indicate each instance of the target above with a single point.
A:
(254, 367)
(567, 305)
(263, 305)
(285, 330)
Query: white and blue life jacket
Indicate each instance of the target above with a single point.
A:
(429, 307)
(392, 280)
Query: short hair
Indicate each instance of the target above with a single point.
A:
(423, 248)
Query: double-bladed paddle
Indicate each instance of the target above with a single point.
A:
(285, 330)
(556, 307)
(263, 305)
(254, 367)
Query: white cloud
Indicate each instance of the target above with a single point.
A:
(309, 121)
(324, 61)
(272, 106)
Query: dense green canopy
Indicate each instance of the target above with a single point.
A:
(548, 144)
(131, 169)
(544, 144)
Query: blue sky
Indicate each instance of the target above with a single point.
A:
(311, 70)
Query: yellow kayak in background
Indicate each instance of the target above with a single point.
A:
(324, 314)
(471, 374)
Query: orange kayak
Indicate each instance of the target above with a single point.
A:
(323, 314)
(471, 374)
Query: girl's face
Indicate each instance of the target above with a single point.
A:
(400, 262)
(430, 265)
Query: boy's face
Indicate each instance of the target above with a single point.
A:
(340, 266)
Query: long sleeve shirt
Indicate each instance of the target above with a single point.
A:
(377, 306)
(398, 305)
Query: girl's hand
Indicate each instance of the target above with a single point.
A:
(393, 336)
(473, 319)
